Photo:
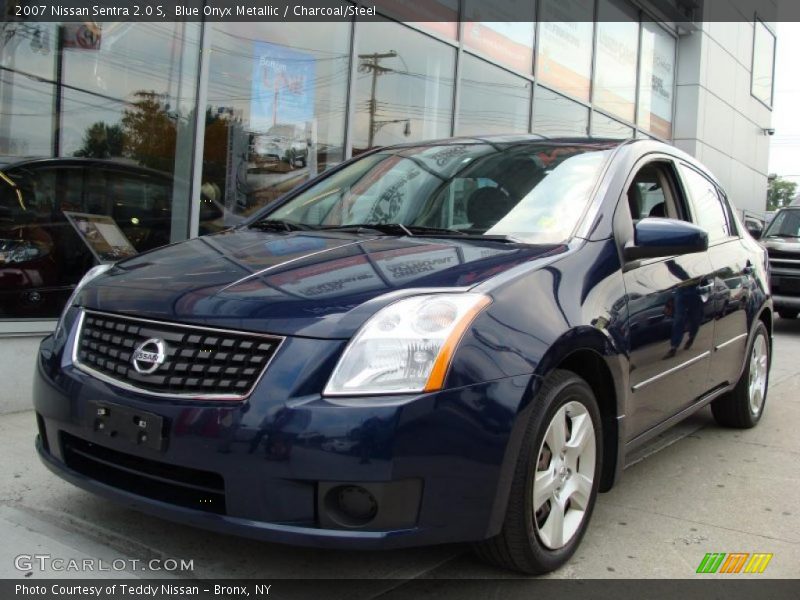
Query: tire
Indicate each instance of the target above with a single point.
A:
(526, 542)
(788, 313)
(742, 407)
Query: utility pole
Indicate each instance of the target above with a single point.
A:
(371, 63)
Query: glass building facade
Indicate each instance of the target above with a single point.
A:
(180, 129)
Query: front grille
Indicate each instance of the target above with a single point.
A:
(773, 253)
(197, 362)
(193, 488)
(784, 262)
(786, 285)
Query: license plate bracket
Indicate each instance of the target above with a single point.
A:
(138, 427)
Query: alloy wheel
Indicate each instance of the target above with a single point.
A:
(562, 485)
(759, 362)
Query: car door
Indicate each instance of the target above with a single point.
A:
(670, 320)
(732, 275)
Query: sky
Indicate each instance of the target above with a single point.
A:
(784, 151)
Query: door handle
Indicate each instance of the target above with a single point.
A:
(704, 290)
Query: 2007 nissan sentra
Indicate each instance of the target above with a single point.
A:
(459, 340)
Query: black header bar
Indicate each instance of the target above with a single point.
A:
(676, 11)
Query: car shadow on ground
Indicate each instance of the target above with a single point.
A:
(790, 326)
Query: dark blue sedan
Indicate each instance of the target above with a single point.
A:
(453, 341)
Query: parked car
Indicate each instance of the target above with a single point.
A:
(42, 258)
(281, 142)
(475, 332)
(782, 241)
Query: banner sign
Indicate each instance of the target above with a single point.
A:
(282, 88)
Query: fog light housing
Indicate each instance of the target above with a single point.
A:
(369, 506)
(351, 505)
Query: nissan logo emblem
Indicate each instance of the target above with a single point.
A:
(149, 355)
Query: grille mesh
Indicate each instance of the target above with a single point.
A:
(199, 362)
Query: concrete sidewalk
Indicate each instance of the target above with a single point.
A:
(700, 489)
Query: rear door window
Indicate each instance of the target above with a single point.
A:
(709, 209)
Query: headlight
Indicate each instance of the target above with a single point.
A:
(405, 347)
(92, 273)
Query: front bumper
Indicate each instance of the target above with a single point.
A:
(231, 525)
(277, 455)
(783, 301)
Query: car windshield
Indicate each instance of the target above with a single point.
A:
(534, 192)
(785, 224)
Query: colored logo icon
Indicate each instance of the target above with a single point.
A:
(734, 562)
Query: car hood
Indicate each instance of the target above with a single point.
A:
(298, 283)
(782, 244)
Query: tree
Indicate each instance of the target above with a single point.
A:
(781, 192)
(102, 141)
(150, 132)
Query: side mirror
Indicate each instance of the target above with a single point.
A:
(656, 237)
(754, 228)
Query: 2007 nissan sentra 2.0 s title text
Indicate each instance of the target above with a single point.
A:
(444, 342)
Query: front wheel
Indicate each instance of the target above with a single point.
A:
(743, 406)
(555, 481)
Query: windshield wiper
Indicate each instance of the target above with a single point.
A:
(396, 229)
(423, 231)
(279, 225)
(480, 237)
(386, 228)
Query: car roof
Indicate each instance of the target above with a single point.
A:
(512, 139)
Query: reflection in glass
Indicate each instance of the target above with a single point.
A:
(534, 192)
(492, 100)
(709, 211)
(275, 114)
(564, 55)
(615, 63)
(763, 62)
(555, 115)
(606, 127)
(502, 31)
(437, 16)
(97, 118)
(27, 58)
(656, 79)
(404, 86)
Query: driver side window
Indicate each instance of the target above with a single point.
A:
(652, 193)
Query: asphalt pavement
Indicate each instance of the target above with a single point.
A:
(699, 488)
